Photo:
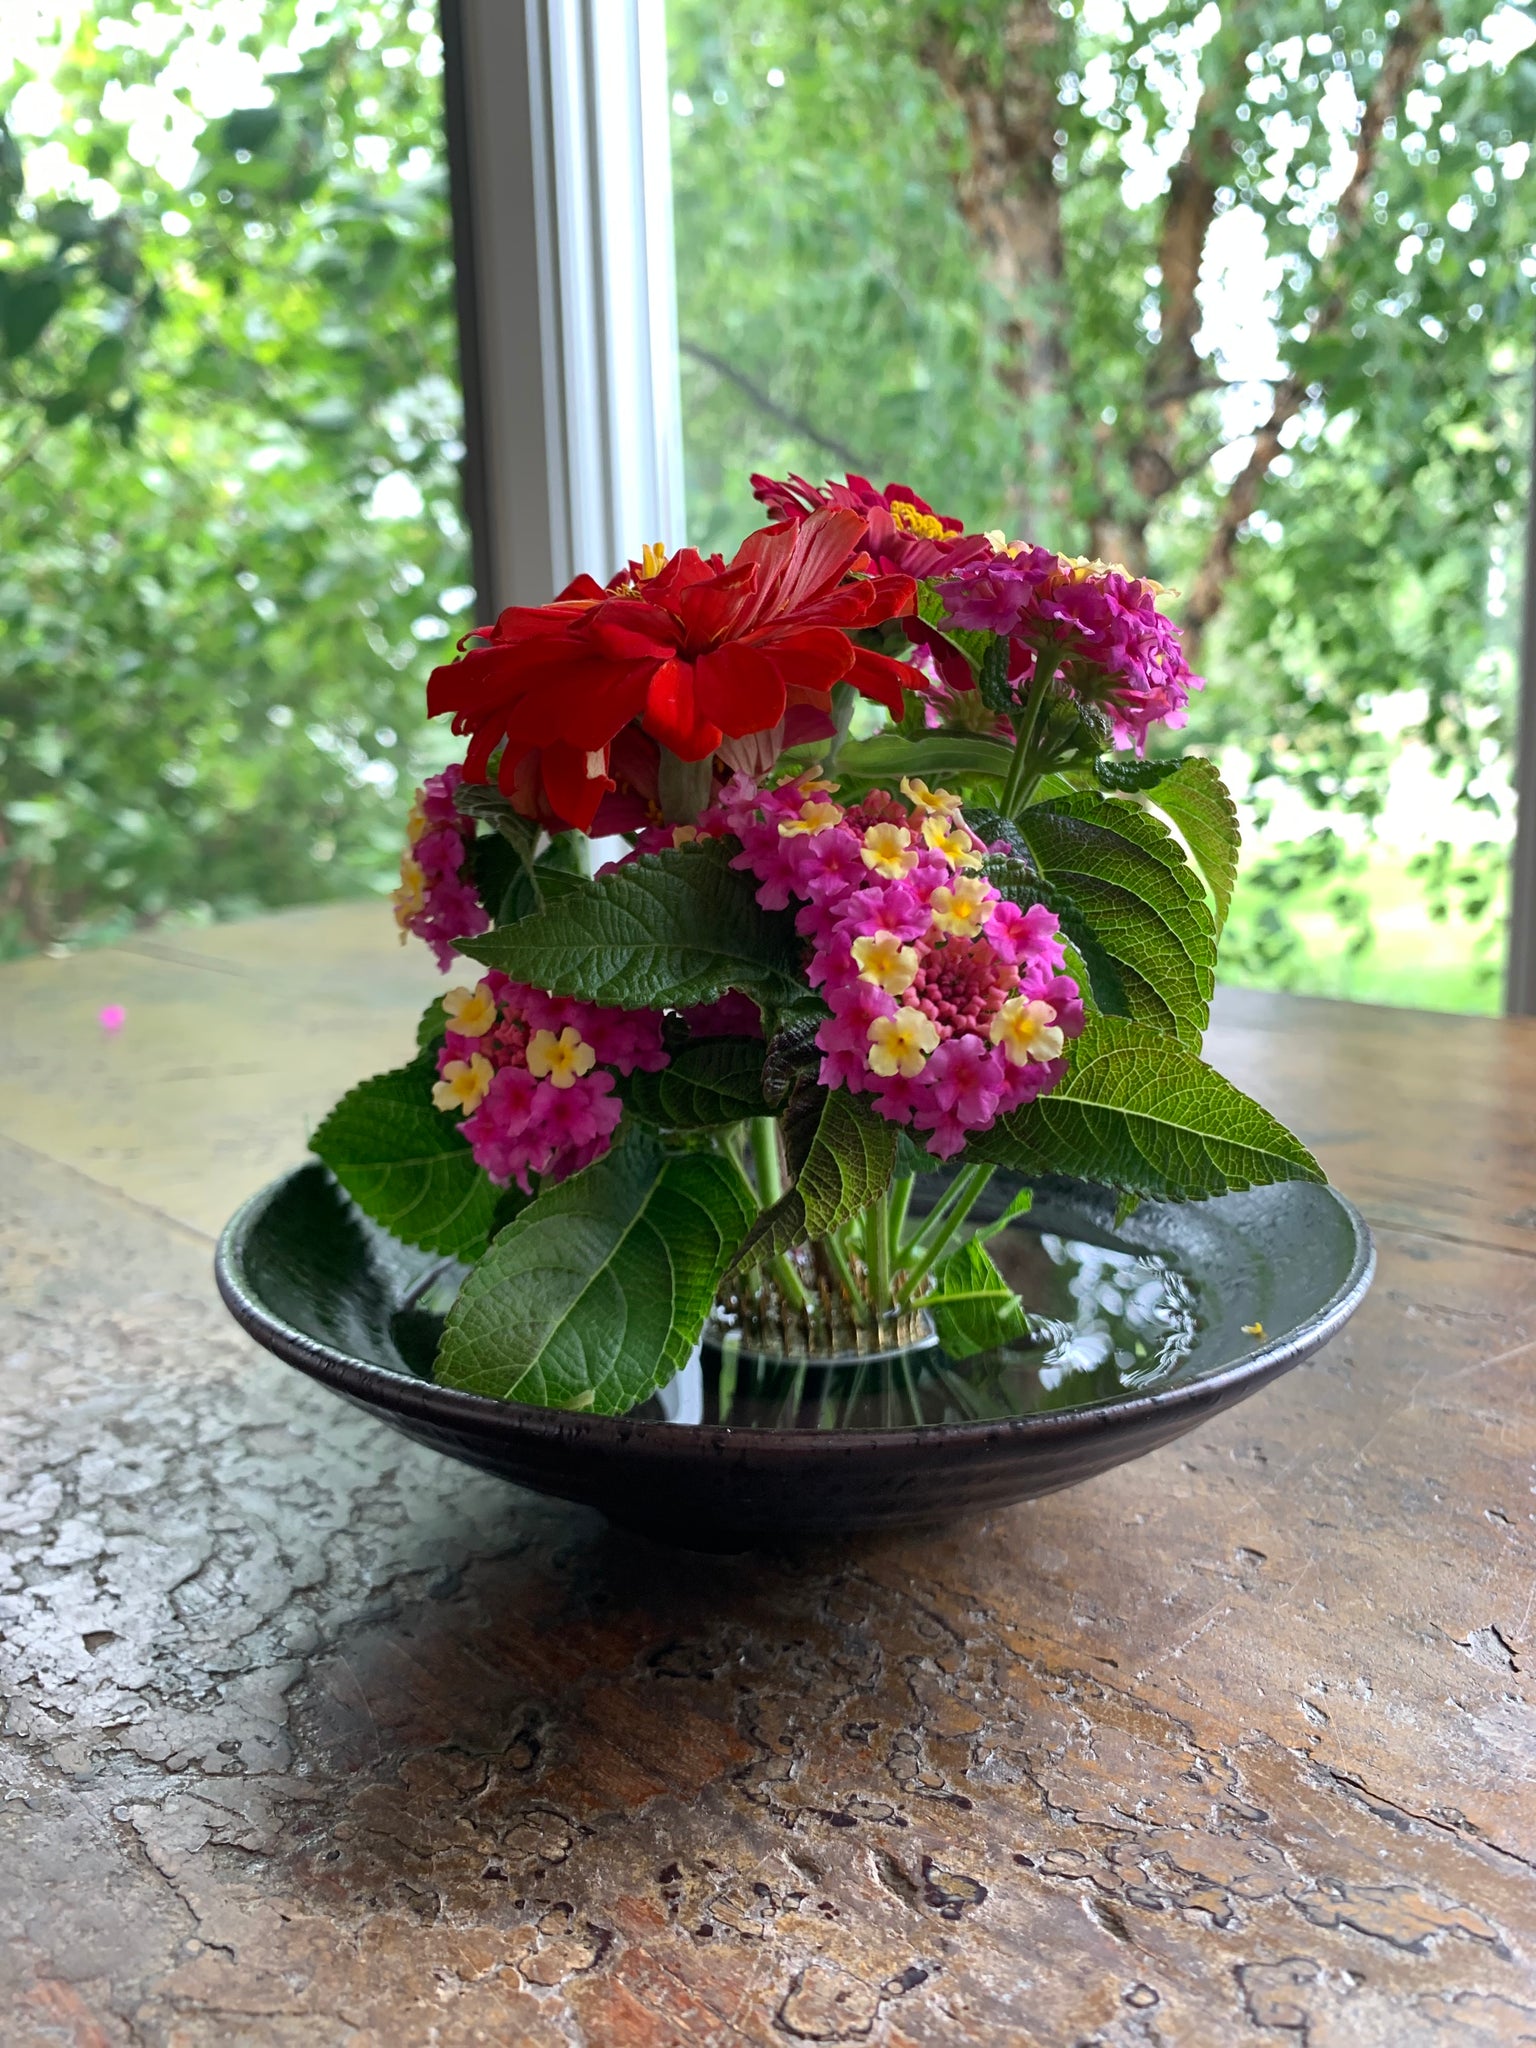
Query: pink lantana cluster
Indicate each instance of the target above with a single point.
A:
(533, 1075)
(949, 1004)
(1097, 626)
(436, 899)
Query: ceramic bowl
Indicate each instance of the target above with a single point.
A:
(1147, 1329)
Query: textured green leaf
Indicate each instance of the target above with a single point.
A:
(716, 1081)
(596, 1293)
(1100, 976)
(406, 1164)
(1139, 1112)
(431, 1025)
(1143, 902)
(973, 1307)
(1191, 792)
(842, 1155)
(667, 931)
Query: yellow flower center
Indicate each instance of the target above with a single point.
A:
(887, 852)
(1027, 1031)
(885, 961)
(653, 559)
(963, 910)
(906, 518)
(464, 1083)
(470, 1012)
(814, 817)
(923, 799)
(949, 837)
(561, 1061)
(1001, 544)
(901, 1044)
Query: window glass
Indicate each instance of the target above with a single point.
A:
(230, 534)
(1238, 297)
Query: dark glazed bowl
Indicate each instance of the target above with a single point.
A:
(311, 1279)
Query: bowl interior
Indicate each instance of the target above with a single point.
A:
(1175, 1295)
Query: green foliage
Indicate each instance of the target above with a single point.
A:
(714, 1082)
(839, 307)
(214, 630)
(406, 1164)
(973, 1307)
(1129, 879)
(1140, 1113)
(595, 1294)
(842, 1155)
(669, 930)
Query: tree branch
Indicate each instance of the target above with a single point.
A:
(796, 422)
(1420, 23)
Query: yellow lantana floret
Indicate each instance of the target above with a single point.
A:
(814, 817)
(901, 1044)
(963, 910)
(887, 851)
(947, 836)
(416, 826)
(464, 1083)
(562, 1061)
(884, 960)
(411, 896)
(923, 799)
(1027, 1031)
(471, 1012)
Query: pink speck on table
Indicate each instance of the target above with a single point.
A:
(112, 1017)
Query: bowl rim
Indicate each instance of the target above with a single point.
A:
(479, 1414)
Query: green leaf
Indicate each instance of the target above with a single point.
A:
(406, 1164)
(973, 1307)
(1139, 1112)
(596, 1293)
(30, 302)
(1141, 900)
(431, 1025)
(1202, 810)
(842, 1155)
(716, 1081)
(667, 931)
(1191, 792)
(882, 761)
(992, 674)
(1100, 977)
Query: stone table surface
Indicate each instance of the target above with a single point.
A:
(310, 1736)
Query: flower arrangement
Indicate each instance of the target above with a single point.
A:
(895, 895)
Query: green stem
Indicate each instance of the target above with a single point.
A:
(900, 1198)
(837, 1252)
(975, 1179)
(877, 1253)
(763, 1136)
(1024, 773)
(929, 1223)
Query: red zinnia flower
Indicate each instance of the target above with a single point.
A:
(903, 534)
(696, 652)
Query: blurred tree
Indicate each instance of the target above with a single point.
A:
(228, 441)
(1238, 295)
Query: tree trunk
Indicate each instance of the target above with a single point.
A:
(1010, 200)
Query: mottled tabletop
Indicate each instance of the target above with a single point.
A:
(311, 1736)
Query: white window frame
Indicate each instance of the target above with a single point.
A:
(560, 165)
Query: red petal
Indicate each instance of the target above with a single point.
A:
(739, 689)
(879, 677)
(671, 715)
(573, 792)
(808, 657)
